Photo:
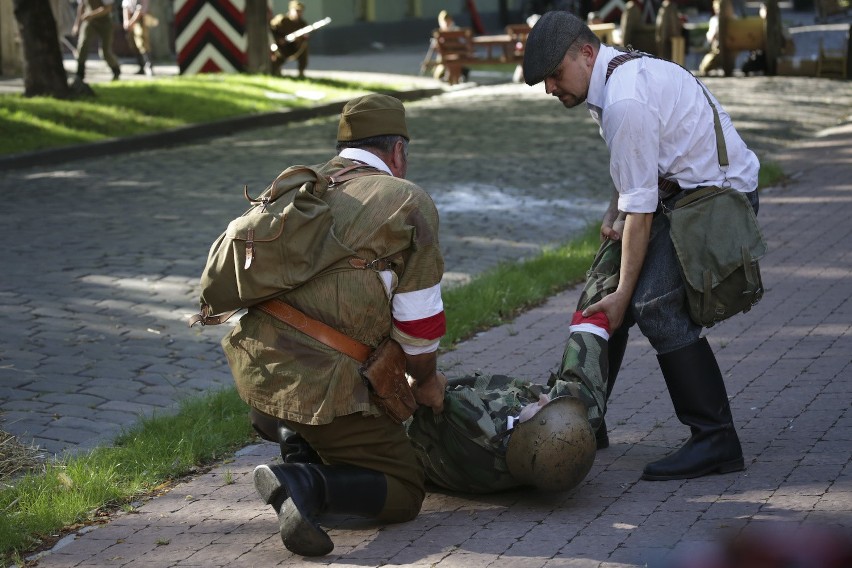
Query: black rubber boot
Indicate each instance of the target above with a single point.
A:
(700, 400)
(300, 492)
(616, 347)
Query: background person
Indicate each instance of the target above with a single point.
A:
(93, 23)
(136, 25)
(658, 123)
(282, 25)
(712, 60)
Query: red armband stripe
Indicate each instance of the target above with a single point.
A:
(433, 327)
(599, 319)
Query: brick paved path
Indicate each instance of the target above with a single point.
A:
(787, 366)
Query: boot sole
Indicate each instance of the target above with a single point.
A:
(267, 484)
(300, 535)
(727, 467)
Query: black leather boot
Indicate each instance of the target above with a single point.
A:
(700, 400)
(294, 448)
(141, 61)
(146, 67)
(616, 347)
(300, 492)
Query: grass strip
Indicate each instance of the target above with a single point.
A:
(127, 108)
(498, 295)
(81, 489)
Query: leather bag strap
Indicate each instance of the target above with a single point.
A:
(323, 333)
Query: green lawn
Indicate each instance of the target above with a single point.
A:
(126, 108)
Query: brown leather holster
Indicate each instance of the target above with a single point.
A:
(384, 374)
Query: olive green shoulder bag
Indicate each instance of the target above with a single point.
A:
(718, 243)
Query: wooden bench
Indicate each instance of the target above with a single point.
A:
(457, 49)
(635, 32)
(827, 9)
(755, 33)
(605, 32)
(836, 62)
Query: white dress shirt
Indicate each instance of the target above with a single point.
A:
(657, 122)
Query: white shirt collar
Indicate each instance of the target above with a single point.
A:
(364, 156)
(595, 96)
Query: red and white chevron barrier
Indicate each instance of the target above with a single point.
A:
(211, 36)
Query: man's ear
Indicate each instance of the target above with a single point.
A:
(397, 158)
(588, 51)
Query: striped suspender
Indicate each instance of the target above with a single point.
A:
(668, 186)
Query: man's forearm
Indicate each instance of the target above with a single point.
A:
(634, 246)
(422, 368)
(429, 384)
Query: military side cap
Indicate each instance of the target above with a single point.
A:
(372, 115)
(549, 39)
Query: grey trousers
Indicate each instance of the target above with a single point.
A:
(659, 304)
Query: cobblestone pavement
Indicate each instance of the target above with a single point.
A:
(100, 268)
(787, 366)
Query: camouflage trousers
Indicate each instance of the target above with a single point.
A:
(585, 361)
(464, 448)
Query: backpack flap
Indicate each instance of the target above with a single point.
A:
(718, 243)
(285, 239)
(709, 233)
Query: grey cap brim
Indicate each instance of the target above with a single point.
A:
(547, 43)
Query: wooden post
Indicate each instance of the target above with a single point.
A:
(257, 34)
(11, 55)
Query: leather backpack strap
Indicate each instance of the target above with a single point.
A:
(323, 333)
(352, 172)
(204, 317)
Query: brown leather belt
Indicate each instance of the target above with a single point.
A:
(321, 332)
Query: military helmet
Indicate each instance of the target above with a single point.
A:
(555, 449)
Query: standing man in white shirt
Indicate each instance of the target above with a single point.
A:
(658, 123)
(136, 21)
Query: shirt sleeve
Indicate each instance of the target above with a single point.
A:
(631, 132)
(417, 307)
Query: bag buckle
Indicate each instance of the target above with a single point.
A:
(376, 265)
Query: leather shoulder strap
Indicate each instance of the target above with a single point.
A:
(323, 333)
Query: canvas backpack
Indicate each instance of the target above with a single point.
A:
(283, 240)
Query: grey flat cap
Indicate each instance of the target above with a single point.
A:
(549, 39)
